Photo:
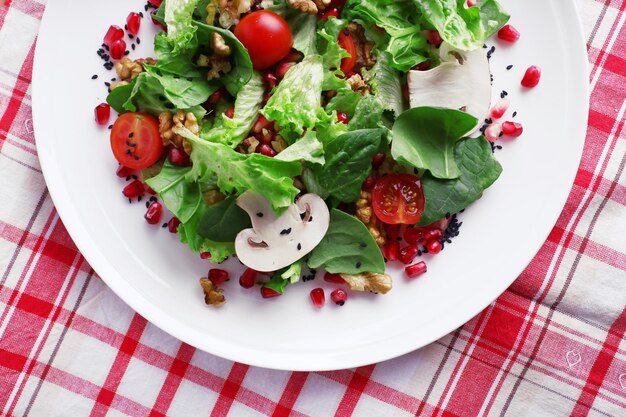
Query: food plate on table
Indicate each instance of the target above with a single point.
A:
(158, 276)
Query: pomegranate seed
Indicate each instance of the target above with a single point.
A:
(492, 133)
(498, 110)
(123, 171)
(117, 49)
(205, 255)
(318, 297)
(339, 296)
(248, 278)
(434, 38)
(267, 292)
(283, 67)
(433, 233)
(415, 270)
(408, 253)
(155, 3)
(531, 77)
(508, 33)
(114, 33)
(218, 276)
(342, 117)
(102, 113)
(393, 231)
(270, 79)
(266, 97)
(392, 250)
(134, 189)
(423, 66)
(178, 157)
(471, 3)
(433, 246)
(216, 97)
(333, 278)
(413, 235)
(265, 149)
(338, 3)
(261, 123)
(378, 160)
(230, 112)
(173, 224)
(369, 182)
(512, 129)
(154, 212)
(266, 136)
(133, 21)
(332, 12)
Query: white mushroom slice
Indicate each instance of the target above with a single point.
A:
(462, 81)
(276, 242)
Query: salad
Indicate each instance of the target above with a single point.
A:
(306, 134)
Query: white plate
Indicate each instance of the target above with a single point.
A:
(158, 277)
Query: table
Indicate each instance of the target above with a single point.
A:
(552, 345)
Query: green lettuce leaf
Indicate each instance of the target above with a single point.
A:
(236, 173)
(425, 137)
(368, 113)
(332, 53)
(386, 84)
(462, 27)
(293, 272)
(178, 17)
(231, 131)
(297, 98)
(304, 31)
(223, 221)
(308, 149)
(180, 196)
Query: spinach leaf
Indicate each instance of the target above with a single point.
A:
(479, 170)
(188, 232)
(367, 114)
(118, 96)
(304, 30)
(184, 90)
(424, 138)
(180, 196)
(346, 101)
(222, 222)
(347, 248)
(462, 27)
(348, 163)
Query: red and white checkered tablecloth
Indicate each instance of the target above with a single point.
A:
(552, 345)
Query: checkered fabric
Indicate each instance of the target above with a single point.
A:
(70, 347)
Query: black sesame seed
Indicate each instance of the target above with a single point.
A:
(127, 151)
(139, 198)
(153, 198)
(189, 79)
(126, 52)
(130, 36)
(299, 246)
(126, 27)
(128, 178)
(93, 77)
(514, 114)
(135, 177)
(136, 157)
(130, 201)
(138, 41)
(147, 204)
(363, 244)
(259, 214)
(132, 45)
(310, 219)
(169, 106)
(108, 84)
(131, 134)
(162, 98)
(159, 73)
(141, 14)
(358, 265)
(176, 76)
(285, 232)
(508, 67)
(164, 225)
(110, 127)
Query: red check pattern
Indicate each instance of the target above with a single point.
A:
(69, 346)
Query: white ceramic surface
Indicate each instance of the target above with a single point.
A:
(158, 277)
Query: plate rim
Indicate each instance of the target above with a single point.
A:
(171, 325)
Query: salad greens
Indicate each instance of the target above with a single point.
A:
(323, 122)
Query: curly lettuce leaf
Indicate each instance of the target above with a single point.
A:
(178, 17)
(465, 28)
(297, 98)
(386, 84)
(332, 53)
(308, 149)
(231, 131)
(236, 173)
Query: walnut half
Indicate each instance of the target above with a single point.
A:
(168, 122)
(305, 6)
(368, 281)
(365, 213)
(213, 295)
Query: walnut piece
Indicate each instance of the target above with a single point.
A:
(279, 144)
(364, 57)
(230, 11)
(322, 4)
(212, 197)
(358, 84)
(305, 6)
(366, 215)
(127, 69)
(168, 122)
(213, 295)
(368, 281)
(219, 45)
(117, 84)
(248, 145)
(218, 64)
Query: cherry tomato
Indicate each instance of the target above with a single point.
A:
(135, 140)
(266, 36)
(347, 43)
(398, 199)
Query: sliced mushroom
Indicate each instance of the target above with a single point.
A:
(368, 281)
(462, 81)
(276, 242)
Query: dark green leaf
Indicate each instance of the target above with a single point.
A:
(424, 138)
(222, 222)
(180, 196)
(347, 248)
(479, 170)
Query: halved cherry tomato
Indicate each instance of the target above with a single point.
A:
(398, 199)
(135, 140)
(266, 36)
(346, 42)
